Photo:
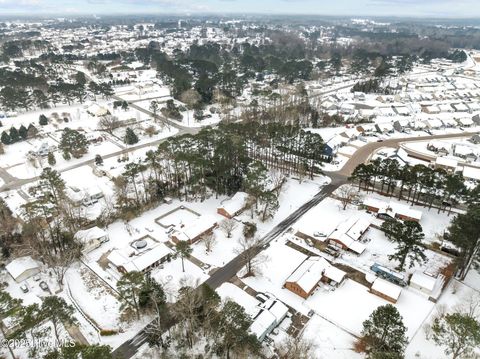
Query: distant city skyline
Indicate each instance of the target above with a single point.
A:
(398, 8)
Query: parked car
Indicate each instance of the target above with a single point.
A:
(24, 288)
(261, 297)
(36, 278)
(43, 285)
(319, 234)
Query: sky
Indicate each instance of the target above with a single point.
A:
(410, 8)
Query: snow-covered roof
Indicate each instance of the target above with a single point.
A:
(20, 265)
(140, 261)
(466, 121)
(236, 203)
(198, 226)
(471, 173)
(334, 273)
(263, 323)
(389, 289)
(87, 235)
(279, 310)
(349, 232)
(309, 273)
(447, 162)
(463, 150)
(422, 280)
(393, 208)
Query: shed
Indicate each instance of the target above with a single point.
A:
(22, 268)
(386, 290)
(423, 282)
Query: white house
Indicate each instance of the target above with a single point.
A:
(91, 238)
(422, 282)
(130, 259)
(22, 268)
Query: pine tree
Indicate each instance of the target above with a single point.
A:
(232, 330)
(130, 137)
(463, 233)
(43, 120)
(32, 131)
(14, 136)
(184, 250)
(384, 332)
(73, 143)
(51, 159)
(58, 312)
(98, 160)
(6, 140)
(22, 131)
(408, 237)
(130, 287)
(459, 333)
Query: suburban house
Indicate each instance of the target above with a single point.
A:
(392, 210)
(310, 273)
(384, 128)
(96, 110)
(137, 258)
(193, 231)
(439, 147)
(446, 163)
(386, 290)
(471, 173)
(233, 206)
(348, 233)
(465, 122)
(465, 152)
(270, 315)
(475, 139)
(22, 268)
(91, 238)
(476, 120)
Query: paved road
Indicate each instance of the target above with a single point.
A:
(364, 153)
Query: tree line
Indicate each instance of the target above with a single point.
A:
(418, 184)
(222, 160)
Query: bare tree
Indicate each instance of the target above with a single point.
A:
(296, 348)
(150, 131)
(249, 249)
(346, 194)
(228, 225)
(278, 178)
(108, 123)
(190, 98)
(209, 240)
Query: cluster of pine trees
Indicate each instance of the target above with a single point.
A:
(14, 135)
(418, 184)
(223, 160)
